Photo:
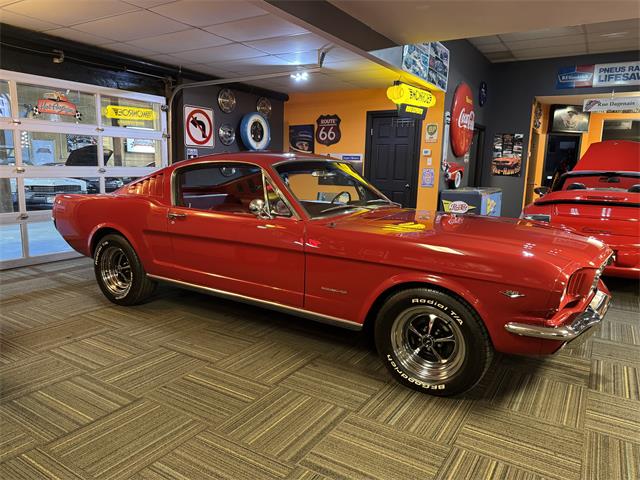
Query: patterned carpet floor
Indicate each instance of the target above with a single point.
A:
(192, 387)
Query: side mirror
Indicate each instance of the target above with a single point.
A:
(258, 207)
(541, 190)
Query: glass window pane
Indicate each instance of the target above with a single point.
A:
(5, 100)
(56, 105)
(131, 152)
(7, 152)
(113, 183)
(10, 242)
(58, 149)
(122, 112)
(45, 239)
(40, 192)
(8, 195)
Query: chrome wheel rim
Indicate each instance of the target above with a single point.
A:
(458, 180)
(428, 343)
(115, 270)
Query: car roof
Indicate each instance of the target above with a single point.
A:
(263, 159)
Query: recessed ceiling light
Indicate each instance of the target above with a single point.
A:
(614, 34)
(300, 76)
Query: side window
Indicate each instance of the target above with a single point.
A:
(219, 187)
(277, 206)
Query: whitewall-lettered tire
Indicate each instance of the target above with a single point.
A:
(432, 342)
(119, 273)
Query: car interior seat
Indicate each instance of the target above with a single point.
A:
(635, 188)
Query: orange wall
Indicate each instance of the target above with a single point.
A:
(352, 107)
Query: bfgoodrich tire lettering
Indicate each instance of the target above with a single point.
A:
(432, 342)
(119, 272)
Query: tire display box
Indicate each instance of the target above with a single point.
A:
(481, 201)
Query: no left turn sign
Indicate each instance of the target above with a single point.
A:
(198, 126)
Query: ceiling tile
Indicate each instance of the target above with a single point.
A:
(333, 55)
(543, 33)
(130, 49)
(16, 20)
(613, 45)
(500, 56)
(212, 70)
(257, 28)
(70, 12)
(132, 26)
(180, 41)
(224, 53)
(168, 59)
(549, 52)
(493, 47)
(547, 42)
(207, 13)
(148, 3)
(477, 41)
(290, 44)
(630, 36)
(258, 65)
(77, 36)
(631, 25)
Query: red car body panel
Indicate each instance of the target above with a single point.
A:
(338, 266)
(605, 208)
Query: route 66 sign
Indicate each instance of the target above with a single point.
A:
(328, 129)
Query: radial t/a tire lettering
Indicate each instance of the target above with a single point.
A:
(119, 272)
(432, 342)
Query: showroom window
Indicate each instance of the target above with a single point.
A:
(66, 137)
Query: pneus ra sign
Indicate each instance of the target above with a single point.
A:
(600, 75)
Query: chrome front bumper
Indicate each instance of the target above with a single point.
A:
(583, 323)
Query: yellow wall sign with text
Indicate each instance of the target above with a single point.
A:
(417, 97)
(123, 112)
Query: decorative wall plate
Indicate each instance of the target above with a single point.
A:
(255, 131)
(227, 134)
(226, 100)
(264, 106)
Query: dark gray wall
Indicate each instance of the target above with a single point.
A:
(515, 85)
(246, 103)
(512, 88)
(467, 65)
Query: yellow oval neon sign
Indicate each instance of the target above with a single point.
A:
(403, 93)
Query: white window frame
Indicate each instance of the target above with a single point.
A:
(19, 171)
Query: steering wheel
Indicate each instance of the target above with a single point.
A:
(333, 202)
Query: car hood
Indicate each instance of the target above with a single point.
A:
(478, 236)
(592, 196)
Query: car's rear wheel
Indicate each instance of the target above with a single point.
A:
(432, 341)
(120, 273)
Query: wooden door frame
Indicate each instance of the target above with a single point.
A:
(415, 163)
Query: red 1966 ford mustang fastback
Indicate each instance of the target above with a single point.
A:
(600, 197)
(309, 236)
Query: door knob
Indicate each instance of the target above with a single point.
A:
(407, 186)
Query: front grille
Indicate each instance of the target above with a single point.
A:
(56, 188)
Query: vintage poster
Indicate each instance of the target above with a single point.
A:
(507, 154)
(427, 177)
(431, 133)
(301, 138)
(570, 119)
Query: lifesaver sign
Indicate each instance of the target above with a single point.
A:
(462, 120)
(198, 127)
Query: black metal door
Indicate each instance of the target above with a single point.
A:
(392, 156)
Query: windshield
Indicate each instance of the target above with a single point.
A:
(329, 187)
(616, 181)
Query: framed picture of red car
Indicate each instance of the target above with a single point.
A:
(507, 154)
(569, 119)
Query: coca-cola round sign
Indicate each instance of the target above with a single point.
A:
(462, 120)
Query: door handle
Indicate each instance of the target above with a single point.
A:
(174, 216)
(265, 226)
(407, 186)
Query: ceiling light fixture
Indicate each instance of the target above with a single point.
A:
(614, 34)
(300, 76)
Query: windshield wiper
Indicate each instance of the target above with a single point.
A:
(340, 207)
(378, 200)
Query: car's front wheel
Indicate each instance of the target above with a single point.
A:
(432, 341)
(120, 273)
